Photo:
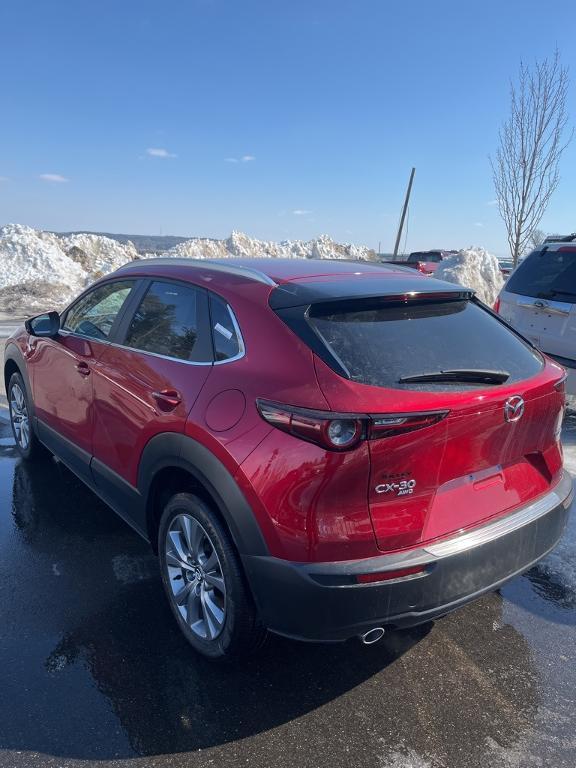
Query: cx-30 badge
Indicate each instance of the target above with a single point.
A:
(514, 408)
(403, 488)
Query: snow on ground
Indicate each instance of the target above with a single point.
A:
(473, 268)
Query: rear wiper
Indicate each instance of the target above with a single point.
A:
(472, 375)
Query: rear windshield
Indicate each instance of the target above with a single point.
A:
(546, 275)
(380, 343)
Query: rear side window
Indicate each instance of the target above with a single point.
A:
(169, 321)
(94, 314)
(379, 343)
(225, 333)
(546, 274)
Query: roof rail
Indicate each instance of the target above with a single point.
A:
(219, 266)
(560, 238)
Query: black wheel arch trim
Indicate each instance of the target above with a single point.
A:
(13, 354)
(175, 450)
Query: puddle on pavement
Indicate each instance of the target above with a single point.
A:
(92, 666)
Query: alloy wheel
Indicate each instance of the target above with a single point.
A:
(19, 416)
(195, 576)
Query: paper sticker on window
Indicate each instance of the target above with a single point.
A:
(224, 331)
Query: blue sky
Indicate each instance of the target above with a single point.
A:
(283, 119)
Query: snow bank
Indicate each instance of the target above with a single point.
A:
(473, 268)
(27, 256)
(239, 244)
(40, 269)
(97, 254)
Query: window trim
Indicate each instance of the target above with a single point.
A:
(241, 346)
(123, 319)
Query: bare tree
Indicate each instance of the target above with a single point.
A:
(526, 167)
(536, 238)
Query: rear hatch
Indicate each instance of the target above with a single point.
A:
(492, 442)
(539, 300)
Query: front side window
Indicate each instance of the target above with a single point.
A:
(169, 322)
(94, 314)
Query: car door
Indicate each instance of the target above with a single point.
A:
(148, 379)
(61, 373)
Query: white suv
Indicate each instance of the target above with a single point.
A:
(539, 300)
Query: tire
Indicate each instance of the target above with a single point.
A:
(213, 607)
(27, 443)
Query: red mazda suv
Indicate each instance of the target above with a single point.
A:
(321, 449)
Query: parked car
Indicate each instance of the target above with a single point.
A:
(322, 449)
(506, 266)
(539, 299)
(427, 261)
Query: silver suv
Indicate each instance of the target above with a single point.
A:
(539, 300)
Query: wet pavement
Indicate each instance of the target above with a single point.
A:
(94, 672)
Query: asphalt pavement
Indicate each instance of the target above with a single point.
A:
(93, 671)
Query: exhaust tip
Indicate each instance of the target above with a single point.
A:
(372, 636)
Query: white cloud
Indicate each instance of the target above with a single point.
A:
(243, 159)
(4, 178)
(492, 202)
(478, 223)
(301, 212)
(159, 152)
(54, 177)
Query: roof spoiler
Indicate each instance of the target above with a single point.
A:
(398, 289)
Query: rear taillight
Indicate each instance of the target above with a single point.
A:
(560, 385)
(342, 431)
(496, 306)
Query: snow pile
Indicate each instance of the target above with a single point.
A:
(241, 245)
(473, 268)
(98, 255)
(27, 256)
(40, 269)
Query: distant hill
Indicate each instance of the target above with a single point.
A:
(142, 243)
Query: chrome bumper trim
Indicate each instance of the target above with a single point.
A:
(561, 494)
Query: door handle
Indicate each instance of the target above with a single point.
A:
(83, 369)
(167, 399)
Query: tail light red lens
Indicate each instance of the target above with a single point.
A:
(496, 306)
(401, 573)
(342, 431)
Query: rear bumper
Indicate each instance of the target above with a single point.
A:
(318, 602)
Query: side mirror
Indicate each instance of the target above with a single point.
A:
(46, 325)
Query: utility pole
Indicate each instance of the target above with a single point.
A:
(404, 209)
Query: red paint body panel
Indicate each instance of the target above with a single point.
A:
(126, 415)
(62, 385)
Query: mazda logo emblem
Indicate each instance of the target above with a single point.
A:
(514, 408)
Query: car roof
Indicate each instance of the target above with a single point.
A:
(270, 271)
